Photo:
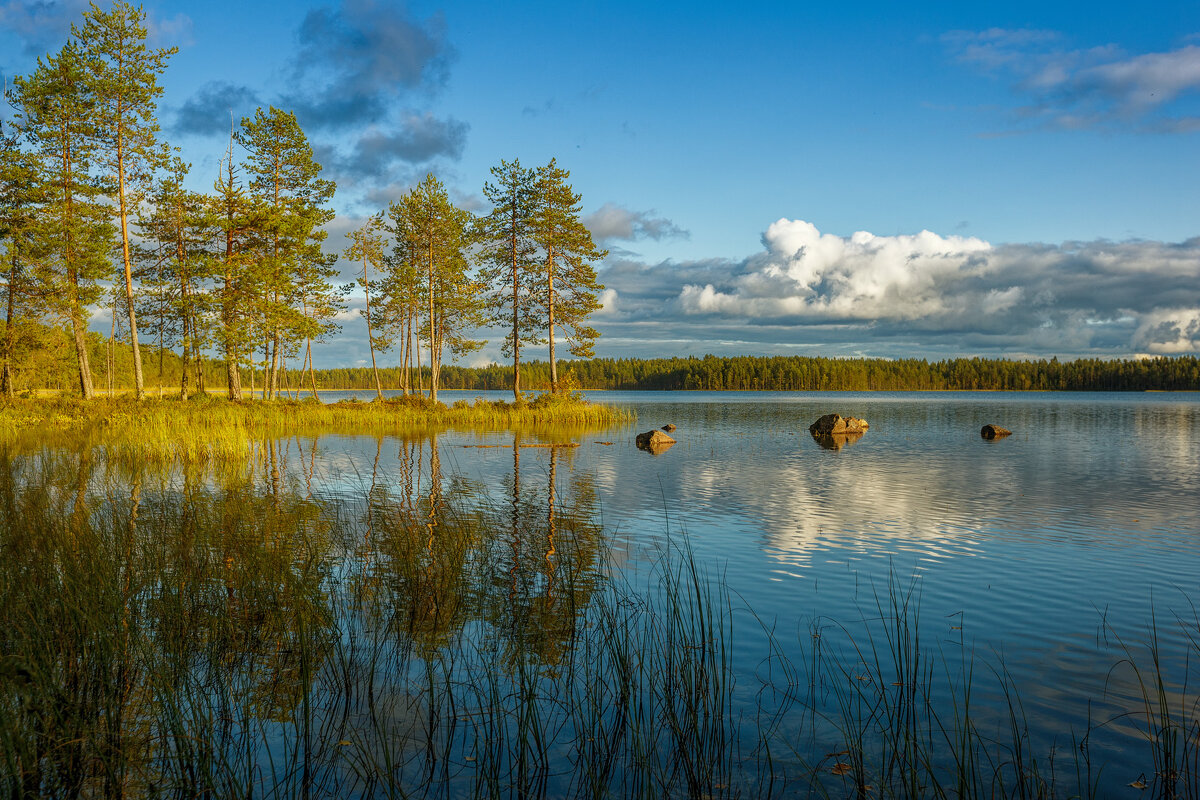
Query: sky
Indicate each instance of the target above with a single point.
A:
(930, 179)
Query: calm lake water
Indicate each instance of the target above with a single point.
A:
(1040, 566)
(1045, 554)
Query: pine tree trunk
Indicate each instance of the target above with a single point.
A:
(138, 386)
(550, 308)
(79, 330)
(312, 373)
(185, 349)
(370, 340)
(516, 290)
(6, 383)
(433, 360)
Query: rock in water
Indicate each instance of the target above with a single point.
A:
(669, 427)
(990, 431)
(836, 423)
(654, 441)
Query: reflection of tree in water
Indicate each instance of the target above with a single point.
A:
(541, 573)
(451, 556)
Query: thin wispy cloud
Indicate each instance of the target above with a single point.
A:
(1073, 88)
(611, 223)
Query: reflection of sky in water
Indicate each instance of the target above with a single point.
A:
(1022, 549)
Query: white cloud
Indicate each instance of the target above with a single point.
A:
(924, 293)
(865, 276)
(1169, 332)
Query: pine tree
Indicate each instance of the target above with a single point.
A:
(569, 289)
(122, 74)
(441, 236)
(72, 232)
(177, 229)
(19, 195)
(509, 253)
(367, 244)
(401, 285)
(233, 218)
(298, 298)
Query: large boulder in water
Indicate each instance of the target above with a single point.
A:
(832, 424)
(654, 441)
(991, 431)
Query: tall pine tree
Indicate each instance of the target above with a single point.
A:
(295, 278)
(58, 111)
(122, 73)
(568, 287)
(509, 254)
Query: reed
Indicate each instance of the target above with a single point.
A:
(208, 428)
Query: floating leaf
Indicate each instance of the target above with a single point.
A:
(840, 768)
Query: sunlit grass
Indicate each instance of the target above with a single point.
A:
(208, 428)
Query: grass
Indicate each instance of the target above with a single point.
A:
(235, 633)
(208, 428)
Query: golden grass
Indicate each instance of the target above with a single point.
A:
(208, 427)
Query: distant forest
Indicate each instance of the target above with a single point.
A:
(51, 364)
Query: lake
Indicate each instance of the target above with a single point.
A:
(796, 611)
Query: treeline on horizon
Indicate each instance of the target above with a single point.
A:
(804, 373)
(53, 369)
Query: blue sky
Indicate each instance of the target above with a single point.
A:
(926, 179)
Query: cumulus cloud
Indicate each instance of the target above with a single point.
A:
(1079, 88)
(612, 222)
(922, 293)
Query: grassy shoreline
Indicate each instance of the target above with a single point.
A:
(208, 426)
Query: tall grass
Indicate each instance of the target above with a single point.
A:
(207, 428)
(229, 633)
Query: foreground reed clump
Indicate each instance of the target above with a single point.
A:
(235, 633)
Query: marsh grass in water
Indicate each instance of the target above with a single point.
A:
(207, 428)
(231, 633)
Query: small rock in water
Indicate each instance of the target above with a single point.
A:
(836, 423)
(670, 426)
(654, 441)
(990, 431)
